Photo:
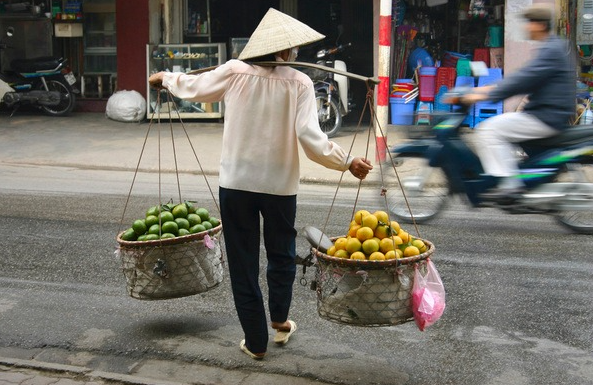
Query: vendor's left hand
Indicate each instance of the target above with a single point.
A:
(156, 80)
(360, 167)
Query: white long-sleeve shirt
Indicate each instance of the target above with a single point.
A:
(268, 111)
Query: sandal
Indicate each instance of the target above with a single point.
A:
(255, 356)
(282, 337)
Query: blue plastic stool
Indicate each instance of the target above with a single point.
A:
(423, 111)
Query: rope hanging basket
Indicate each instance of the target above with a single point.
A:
(367, 293)
(172, 268)
(179, 265)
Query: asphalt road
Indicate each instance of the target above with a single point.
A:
(519, 309)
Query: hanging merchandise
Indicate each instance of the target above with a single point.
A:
(477, 9)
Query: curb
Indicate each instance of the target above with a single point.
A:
(77, 371)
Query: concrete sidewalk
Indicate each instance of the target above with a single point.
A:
(92, 141)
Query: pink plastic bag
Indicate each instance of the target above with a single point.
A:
(428, 296)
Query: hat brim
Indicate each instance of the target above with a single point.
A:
(277, 32)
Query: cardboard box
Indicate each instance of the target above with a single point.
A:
(496, 57)
(68, 29)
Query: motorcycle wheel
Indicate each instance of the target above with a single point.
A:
(67, 98)
(421, 196)
(576, 210)
(328, 112)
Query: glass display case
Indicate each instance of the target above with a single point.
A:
(183, 58)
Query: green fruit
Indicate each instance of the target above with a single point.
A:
(154, 210)
(154, 229)
(167, 236)
(203, 213)
(182, 223)
(139, 226)
(151, 237)
(207, 225)
(129, 235)
(183, 232)
(180, 211)
(166, 216)
(170, 227)
(151, 220)
(197, 229)
(142, 238)
(215, 221)
(191, 208)
(194, 219)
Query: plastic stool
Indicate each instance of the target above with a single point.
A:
(423, 112)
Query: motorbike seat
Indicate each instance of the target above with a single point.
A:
(45, 63)
(569, 136)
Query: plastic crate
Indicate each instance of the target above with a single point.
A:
(450, 58)
(482, 54)
(438, 100)
(466, 81)
(427, 84)
(445, 77)
(494, 75)
(463, 67)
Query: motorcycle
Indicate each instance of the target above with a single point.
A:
(44, 82)
(557, 172)
(331, 90)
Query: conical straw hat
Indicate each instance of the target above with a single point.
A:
(276, 32)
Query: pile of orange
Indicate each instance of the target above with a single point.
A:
(374, 237)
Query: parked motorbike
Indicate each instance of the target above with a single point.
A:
(44, 82)
(557, 172)
(331, 90)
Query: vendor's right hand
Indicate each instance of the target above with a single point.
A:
(156, 80)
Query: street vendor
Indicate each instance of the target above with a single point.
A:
(268, 112)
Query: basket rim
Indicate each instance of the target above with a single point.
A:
(170, 241)
(378, 264)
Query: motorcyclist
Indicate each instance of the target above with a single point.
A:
(549, 81)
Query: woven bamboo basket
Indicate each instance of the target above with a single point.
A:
(367, 293)
(172, 268)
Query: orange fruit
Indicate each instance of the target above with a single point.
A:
(370, 246)
(397, 240)
(377, 256)
(395, 227)
(331, 251)
(391, 254)
(358, 255)
(353, 245)
(419, 244)
(387, 244)
(353, 229)
(340, 243)
(382, 216)
(404, 236)
(364, 233)
(382, 231)
(370, 221)
(399, 253)
(411, 251)
(359, 215)
(342, 254)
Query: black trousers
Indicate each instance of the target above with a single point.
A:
(240, 214)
